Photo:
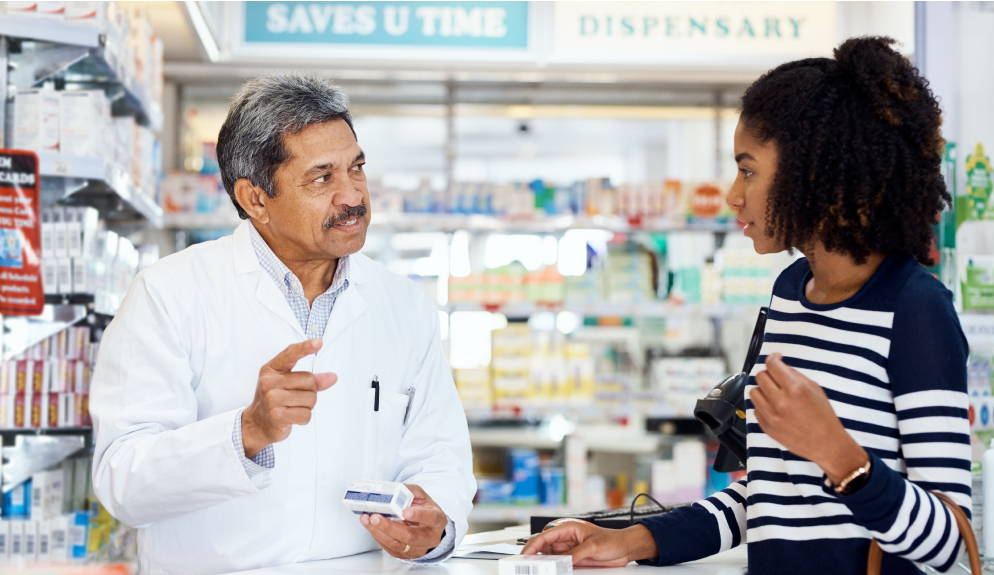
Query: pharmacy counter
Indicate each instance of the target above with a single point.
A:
(729, 563)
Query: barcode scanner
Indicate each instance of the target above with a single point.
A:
(723, 409)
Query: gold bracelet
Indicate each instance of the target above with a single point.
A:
(864, 470)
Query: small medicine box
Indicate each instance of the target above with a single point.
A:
(383, 497)
(535, 565)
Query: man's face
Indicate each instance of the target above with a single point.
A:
(320, 190)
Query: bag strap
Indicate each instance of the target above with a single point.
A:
(876, 555)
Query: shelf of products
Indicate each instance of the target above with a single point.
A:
(86, 55)
(50, 30)
(102, 177)
(25, 332)
(658, 309)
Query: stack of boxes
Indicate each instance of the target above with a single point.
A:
(35, 525)
(510, 364)
(78, 122)
(48, 385)
(746, 277)
(536, 367)
(80, 257)
(681, 381)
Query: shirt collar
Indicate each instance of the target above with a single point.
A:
(284, 278)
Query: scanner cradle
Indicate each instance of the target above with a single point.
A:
(723, 408)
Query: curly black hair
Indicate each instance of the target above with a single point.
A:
(859, 151)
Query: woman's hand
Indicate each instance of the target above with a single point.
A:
(795, 411)
(593, 546)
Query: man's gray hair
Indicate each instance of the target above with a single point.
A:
(265, 110)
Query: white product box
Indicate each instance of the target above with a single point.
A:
(81, 275)
(535, 565)
(60, 234)
(36, 120)
(46, 491)
(74, 233)
(58, 529)
(64, 272)
(4, 540)
(14, 7)
(384, 497)
(17, 540)
(50, 275)
(82, 126)
(86, 12)
(30, 540)
(51, 9)
(124, 141)
(44, 540)
(46, 233)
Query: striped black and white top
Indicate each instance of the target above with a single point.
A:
(892, 361)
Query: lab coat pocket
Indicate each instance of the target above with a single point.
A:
(383, 432)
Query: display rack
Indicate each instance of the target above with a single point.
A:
(413, 222)
(77, 53)
(95, 181)
(33, 52)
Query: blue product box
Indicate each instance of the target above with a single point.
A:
(522, 466)
(553, 486)
(79, 524)
(495, 491)
(17, 502)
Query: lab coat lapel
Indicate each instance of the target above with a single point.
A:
(246, 261)
(350, 303)
(348, 307)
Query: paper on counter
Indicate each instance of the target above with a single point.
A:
(491, 552)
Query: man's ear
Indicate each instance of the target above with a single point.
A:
(252, 199)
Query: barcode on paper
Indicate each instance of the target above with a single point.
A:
(526, 570)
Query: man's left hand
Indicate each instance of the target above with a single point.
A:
(795, 411)
(422, 528)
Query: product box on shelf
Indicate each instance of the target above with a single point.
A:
(51, 9)
(975, 233)
(85, 120)
(84, 12)
(36, 119)
(48, 385)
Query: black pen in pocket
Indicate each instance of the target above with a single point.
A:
(376, 396)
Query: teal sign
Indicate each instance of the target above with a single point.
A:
(429, 24)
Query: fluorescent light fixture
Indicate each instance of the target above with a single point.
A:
(203, 30)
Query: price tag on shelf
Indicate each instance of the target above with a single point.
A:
(61, 167)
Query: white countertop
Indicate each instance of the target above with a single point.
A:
(729, 563)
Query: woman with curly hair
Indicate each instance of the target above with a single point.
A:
(857, 407)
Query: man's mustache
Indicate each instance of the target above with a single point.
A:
(347, 214)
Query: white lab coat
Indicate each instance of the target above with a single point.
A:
(183, 356)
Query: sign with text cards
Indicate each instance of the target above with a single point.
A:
(21, 291)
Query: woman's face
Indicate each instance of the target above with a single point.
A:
(757, 163)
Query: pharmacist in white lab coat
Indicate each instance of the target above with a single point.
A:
(233, 398)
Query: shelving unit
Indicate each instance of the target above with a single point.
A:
(408, 222)
(33, 52)
(24, 332)
(97, 182)
(77, 53)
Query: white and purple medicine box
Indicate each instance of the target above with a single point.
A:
(384, 497)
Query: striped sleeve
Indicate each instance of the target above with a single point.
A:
(927, 371)
(705, 528)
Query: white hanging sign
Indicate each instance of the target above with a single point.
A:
(664, 29)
